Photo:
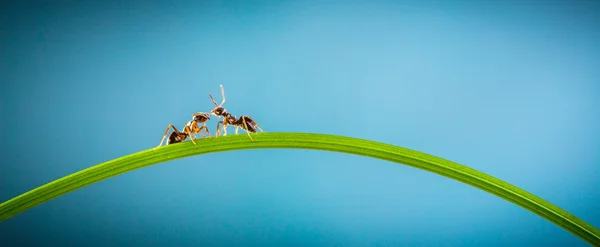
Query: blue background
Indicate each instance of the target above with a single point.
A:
(511, 88)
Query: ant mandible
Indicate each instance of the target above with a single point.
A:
(190, 129)
(244, 122)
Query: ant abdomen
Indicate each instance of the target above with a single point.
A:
(247, 123)
(176, 137)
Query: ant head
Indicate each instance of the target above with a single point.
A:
(218, 111)
(201, 117)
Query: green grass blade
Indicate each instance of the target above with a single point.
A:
(324, 142)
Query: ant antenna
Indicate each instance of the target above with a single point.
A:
(222, 94)
(213, 100)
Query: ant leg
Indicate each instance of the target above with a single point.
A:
(187, 130)
(236, 129)
(218, 131)
(196, 130)
(205, 130)
(199, 131)
(246, 129)
(224, 129)
(165, 135)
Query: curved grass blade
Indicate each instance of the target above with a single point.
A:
(323, 142)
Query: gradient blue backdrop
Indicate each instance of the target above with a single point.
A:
(510, 88)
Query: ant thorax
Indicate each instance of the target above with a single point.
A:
(190, 123)
(230, 119)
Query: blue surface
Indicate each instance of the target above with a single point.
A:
(509, 88)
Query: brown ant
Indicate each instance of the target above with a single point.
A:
(244, 122)
(189, 129)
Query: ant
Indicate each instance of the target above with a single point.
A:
(244, 122)
(189, 128)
